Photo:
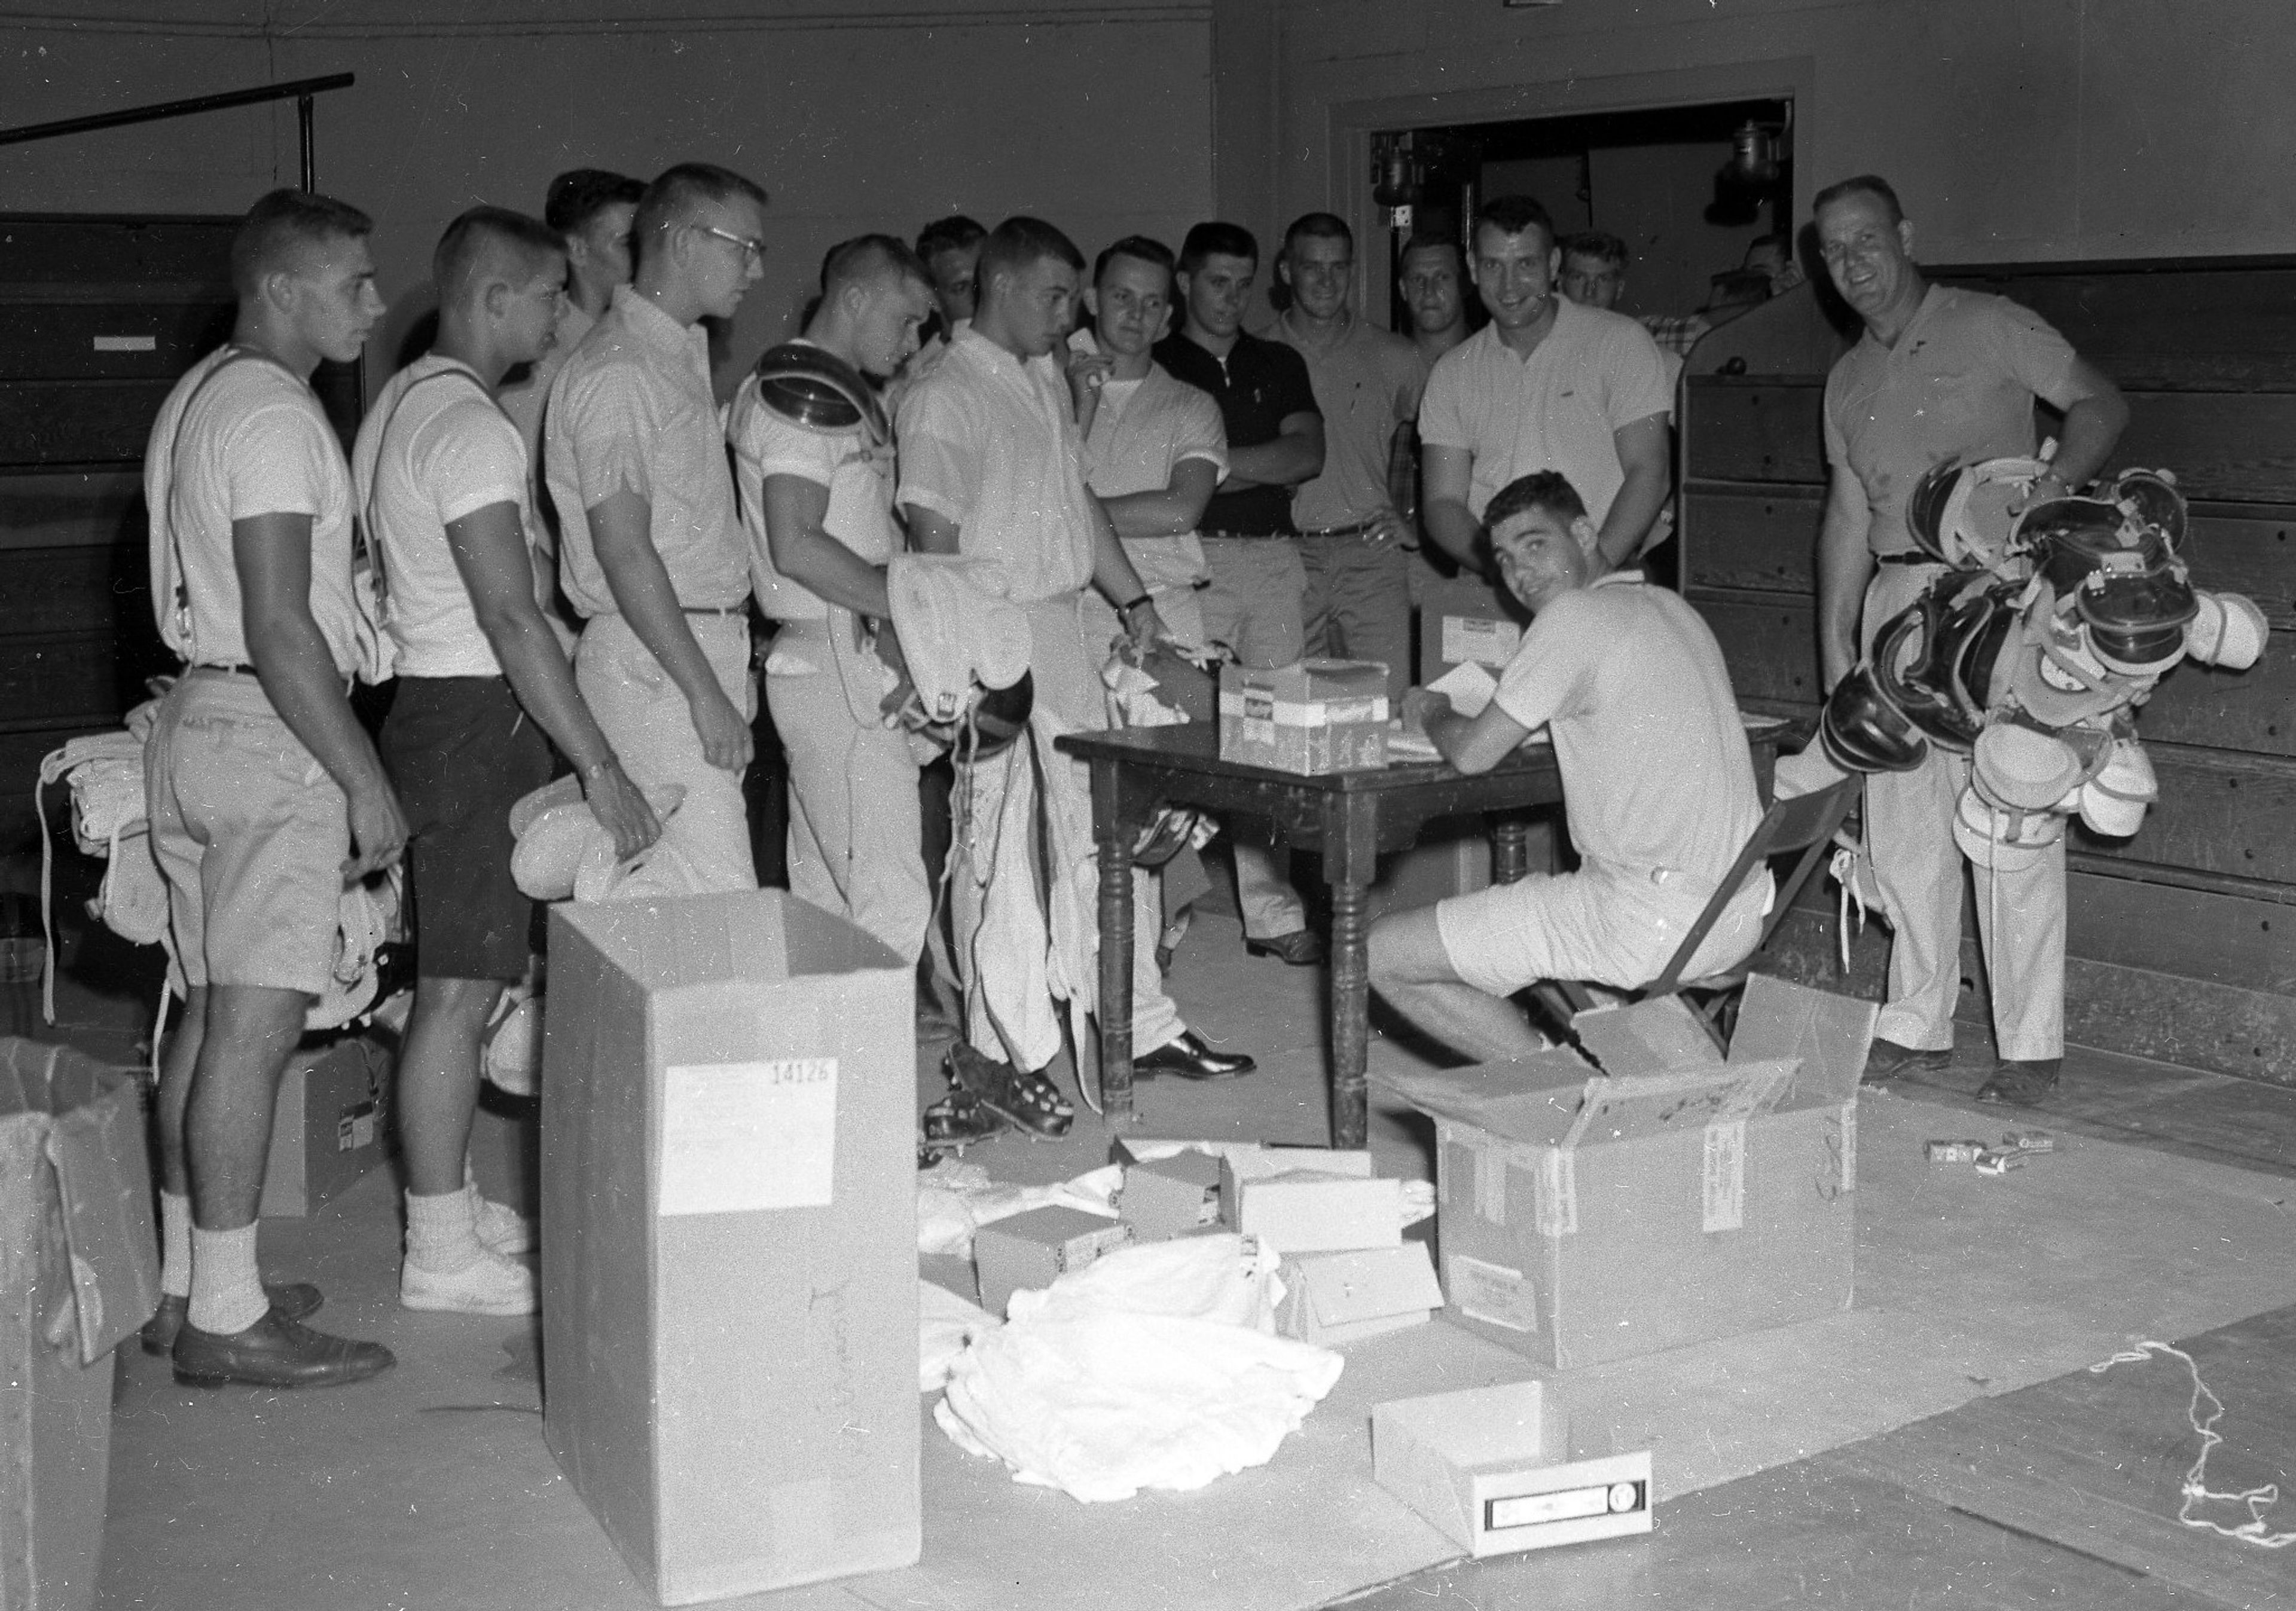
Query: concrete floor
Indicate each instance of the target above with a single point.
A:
(435, 1475)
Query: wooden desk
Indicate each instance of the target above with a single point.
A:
(1350, 816)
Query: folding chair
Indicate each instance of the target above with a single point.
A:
(1806, 823)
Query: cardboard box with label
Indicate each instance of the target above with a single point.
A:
(333, 1124)
(1165, 1198)
(1030, 1251)
(1466, 621)
(1488, 1468)
(1332, 1298)
(79, 1271)
(1586, 1218)
(1311, 716)
(1311, 1210)
(729, 1264)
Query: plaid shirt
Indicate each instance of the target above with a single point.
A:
(1677, 333)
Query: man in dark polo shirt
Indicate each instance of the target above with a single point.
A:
(1256, 601)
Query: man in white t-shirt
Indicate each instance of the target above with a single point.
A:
(1153, 450)
(1628, 683)
(651, 551)
(263, 793)
(818, 507)
(484, 690)
(1548, 385)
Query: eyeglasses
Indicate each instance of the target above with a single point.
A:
(752, 252)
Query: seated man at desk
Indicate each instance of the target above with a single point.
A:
(1658, 784)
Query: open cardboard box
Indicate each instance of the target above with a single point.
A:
(1586, 1218)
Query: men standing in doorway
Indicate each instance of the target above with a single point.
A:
(592, 211)
(990, 471)
(819, 512)
(484, 691)
(1941, 376)
(951, 249)
(1434, 288)
(263, 793)
(1548, 385)
(1256, 603)
(1366, 382)
(653, 557)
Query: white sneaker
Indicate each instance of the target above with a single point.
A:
(501, 1227)
(489, 1284)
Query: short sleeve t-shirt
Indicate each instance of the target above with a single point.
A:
(1958, 385)
(860, 514)
(1656, 771)
(434, 448)
(1144, 430)
(240, 436)
(1367, 383)
(1559, 409)
(1258, 386)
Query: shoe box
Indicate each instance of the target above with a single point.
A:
(330, 1126)
(1465, 620)
(80, 1273)
(729, 1262)
(1677, 1196)
(1029, 1251)
(1311, 717)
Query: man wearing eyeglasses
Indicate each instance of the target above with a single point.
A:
(652, 554)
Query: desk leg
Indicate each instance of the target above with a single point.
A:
(1350, 1011)
(1510, 849)
(1115, 857)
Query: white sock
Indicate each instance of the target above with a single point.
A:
(442, 1231)
(174, 1245)
(226, 1292)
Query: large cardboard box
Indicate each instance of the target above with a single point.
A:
(1586, 1218)
(79, 1271)
(333, 1124)
(1311, 716)
(729, 1263)
(1467, 619)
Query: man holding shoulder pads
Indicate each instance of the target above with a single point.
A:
(1657, 781)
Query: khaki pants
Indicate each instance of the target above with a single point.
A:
(1358, 606)
(1257, 605)
(2020, 915)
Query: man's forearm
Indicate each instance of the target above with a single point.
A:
(1161, 513)
(1454, 530)
(2093, 428)
(540, 676)
(1641, 497)
(299, 678)
(1112, 566)
(1844, 567)
(827, 568)
(642, 593)
(1285, 461)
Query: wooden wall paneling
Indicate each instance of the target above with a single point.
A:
(2249, 944)
(2223, 328)
(73, 508)
(2218, 812)
(48, 250)
(1755, 430)
(1770, 645)
(2250, 551)
(72, 590)
(2236, 446)
(1752, 538)
(60, 422)
(53, 681)
(110, 339)
(2252, 710)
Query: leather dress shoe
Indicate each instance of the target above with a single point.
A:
(2021, 1085)
(1301, 948)
(1191, 1060)
(275, 1352)
(1886, 1060)
(295, 1300)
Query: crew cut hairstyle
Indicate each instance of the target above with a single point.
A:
(580, 194)
(1019, 244)
(463, 252)
(1593, 243)
(688, 185)
(1513, 215)
(1860, 185)
(1320, 226)
(1546, 491)
(956, 233)
(281, 222)
(1140, 249)
(865, 257)
(1214, 238)
(1427, 240)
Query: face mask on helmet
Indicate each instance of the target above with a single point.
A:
(2135, 607)
(2226, 629)
(1862, 730)
(2005, 841)
(1961, 513)
(1936, 659)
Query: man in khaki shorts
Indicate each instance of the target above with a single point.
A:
(263, 793)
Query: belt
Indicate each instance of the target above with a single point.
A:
(1251, 536)
(742, 609)
(1356, 530)
(227, 669)
(1908, 556)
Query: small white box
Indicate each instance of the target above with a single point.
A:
(1485, 1467)
(1332, 1298)
(1312, 1211)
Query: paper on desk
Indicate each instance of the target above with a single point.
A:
(1468, 686)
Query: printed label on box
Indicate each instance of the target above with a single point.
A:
(1725, 1175)
(1484, 642)
(1491, 1184)
(1556, 1206)
(736, 1137)
(355, 1128)
(1492, 1293)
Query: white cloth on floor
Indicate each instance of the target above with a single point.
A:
(945, 1327)
(954, 1200)
(1153, 1366)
